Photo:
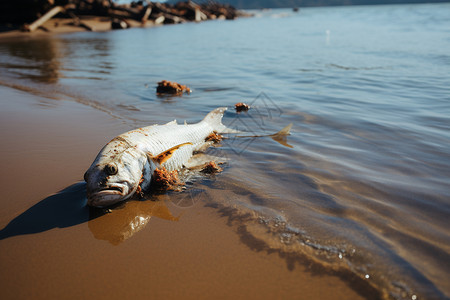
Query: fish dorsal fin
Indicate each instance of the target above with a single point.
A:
(164, 156)
(174, 122)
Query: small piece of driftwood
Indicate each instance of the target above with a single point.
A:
(47, 16)
(148, 11)
(77, 22)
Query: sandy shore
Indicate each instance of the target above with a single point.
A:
(53, 246)
(63, 26)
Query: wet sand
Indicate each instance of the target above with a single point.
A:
(64, 26)
(53, 246)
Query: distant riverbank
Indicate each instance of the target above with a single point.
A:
(260, 4)
(105, 15)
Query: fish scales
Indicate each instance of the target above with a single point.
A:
(159, 138)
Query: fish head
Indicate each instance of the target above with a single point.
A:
(114, 178)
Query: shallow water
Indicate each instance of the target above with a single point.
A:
(364, 184)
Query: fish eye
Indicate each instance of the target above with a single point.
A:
(111, 169)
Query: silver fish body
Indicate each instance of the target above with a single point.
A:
(128, 161)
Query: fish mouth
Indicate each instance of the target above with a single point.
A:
(106, 196)
(111, 190)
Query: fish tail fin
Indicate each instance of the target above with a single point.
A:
(214, 119)
(280, 136)
(285, 131)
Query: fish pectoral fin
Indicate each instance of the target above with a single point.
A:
(199, 160)
(164, 156)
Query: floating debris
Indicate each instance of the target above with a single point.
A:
(241, 106)
(163, 180)
(173, 88)
(211, 168)
(214, 137)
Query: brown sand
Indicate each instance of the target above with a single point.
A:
(174, 253)
(61, 25)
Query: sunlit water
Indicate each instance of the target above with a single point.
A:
(365, 183)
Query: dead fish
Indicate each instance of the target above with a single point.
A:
(128, 161)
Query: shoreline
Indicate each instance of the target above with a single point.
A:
(175, 251)
(57, 26)
(105, 16)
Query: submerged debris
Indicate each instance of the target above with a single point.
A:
(169, 87)
(163, 180)
(214, 137)
(241, 106)
(211, 168)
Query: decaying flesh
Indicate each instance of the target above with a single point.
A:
(125, 166)
(164, 180)
(214, 137)
(211, 168)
